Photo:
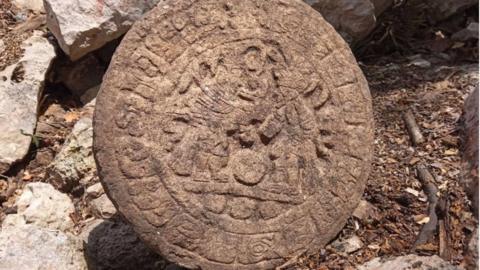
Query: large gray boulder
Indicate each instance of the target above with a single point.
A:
(82, 26)
(29, 247)
(20, 87)
(42, 205)
(353, 19)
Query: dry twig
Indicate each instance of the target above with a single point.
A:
(413, 129)
(428, 230)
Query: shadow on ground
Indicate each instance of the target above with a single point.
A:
(113, 245)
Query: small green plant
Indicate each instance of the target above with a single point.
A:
(35, 138)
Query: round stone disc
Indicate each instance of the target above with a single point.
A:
(234, 134)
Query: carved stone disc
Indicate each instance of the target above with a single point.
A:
(234, 134)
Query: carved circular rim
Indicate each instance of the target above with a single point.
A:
(229, 210)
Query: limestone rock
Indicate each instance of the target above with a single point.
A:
(82, 26)
(409, 262)
(102, 207)
(74, 163)
(40, 204)
(33, 5)
(365, 210)
(33, 248)
(217, 121)
(470, 148)
(112, 244)
(442, 9)
(94, 191)
(349, 245)
(353, 19)
(20, 87)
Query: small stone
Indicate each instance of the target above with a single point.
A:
(421, 63)
(102, 207)
(44, 206)
(95, 191)
(33, 248)
(408, 262)
(365, 210)
(349, 245)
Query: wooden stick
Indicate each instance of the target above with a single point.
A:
(443, 233)
(443, 250)
(413, 129)
(428, 230)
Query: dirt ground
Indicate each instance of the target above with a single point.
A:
(435, 94)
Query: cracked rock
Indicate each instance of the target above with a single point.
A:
(42, 205)
(20, 87)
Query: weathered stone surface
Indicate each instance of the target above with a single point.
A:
(112, 244)
(33, 248)
(240, 134)
(75, 164)
(102, 207)
(348, 245)
(40, 204)
(442, 9)
(33, 5)
(409, 262)
(94, 191)
(20, 87)
(470, 148)
(365, 210)
(354, 19)
(82, 26)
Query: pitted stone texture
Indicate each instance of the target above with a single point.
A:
(42, 205)
(234, 134)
